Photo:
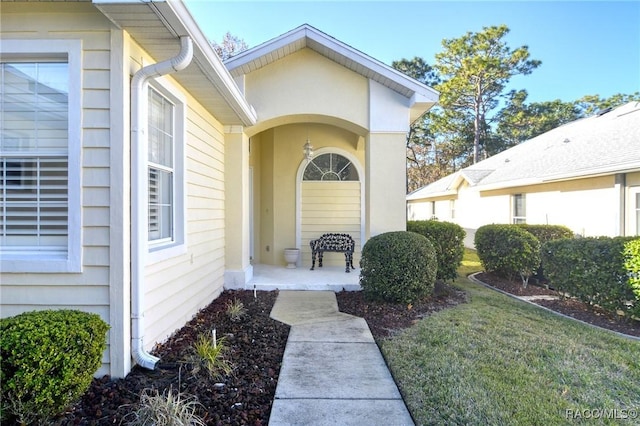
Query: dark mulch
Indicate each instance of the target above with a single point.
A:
(567, 306)
(386, 319)
(256, 344)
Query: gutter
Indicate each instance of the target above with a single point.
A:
(140, 192)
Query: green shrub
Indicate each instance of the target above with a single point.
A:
(448, 240)
(398, 267)
(508, 250)
(546, 233)
(592, 270)
(631, 255)
(47, 361)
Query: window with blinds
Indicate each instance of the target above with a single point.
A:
(34, 117)
(161, 168)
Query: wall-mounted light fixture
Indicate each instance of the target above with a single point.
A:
(308, 150)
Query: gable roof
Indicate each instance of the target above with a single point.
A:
(157, 26)
(422, 97)
(602, 144)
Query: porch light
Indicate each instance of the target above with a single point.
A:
(308, 150)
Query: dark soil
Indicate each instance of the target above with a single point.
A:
(255, 347)
(567, 306)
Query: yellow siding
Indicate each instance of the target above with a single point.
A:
(330, 207)
(89, 290)
(178, 287)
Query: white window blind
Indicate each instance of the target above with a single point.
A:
(34, 117)
(161, 168)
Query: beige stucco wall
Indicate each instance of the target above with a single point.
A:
(307, 83)
(276, 156)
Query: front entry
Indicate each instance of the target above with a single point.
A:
(330, 201)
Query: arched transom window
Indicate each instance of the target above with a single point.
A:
(330, 167)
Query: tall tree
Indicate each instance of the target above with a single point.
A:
(421, 155)
(519, 121)
(476, 69)
(230, 45)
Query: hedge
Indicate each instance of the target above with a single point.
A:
(448, 240)
(598, 271)
(546, 233)
(47, 361)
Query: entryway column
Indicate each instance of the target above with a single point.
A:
(386, 182)
(238, 270)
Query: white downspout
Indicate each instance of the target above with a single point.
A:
(140, 192)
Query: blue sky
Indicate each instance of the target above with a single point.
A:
(586, 47)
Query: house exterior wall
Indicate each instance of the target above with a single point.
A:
(176, 285)
(588, 207)
(88, 290)
(181, 281)
(276, 156)
(308, 83)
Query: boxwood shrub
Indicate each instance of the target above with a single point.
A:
(398, 266)
(47, 361)
(508, 250)
(448, 240)
(546, 233)
(593, 270)
(631, 255)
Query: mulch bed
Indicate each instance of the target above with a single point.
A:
(256, 344)
(567, 306)
(255, 347)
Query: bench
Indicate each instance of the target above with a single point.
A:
(339, 243)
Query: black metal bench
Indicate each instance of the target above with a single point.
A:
(340, 243)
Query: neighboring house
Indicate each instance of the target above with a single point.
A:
(141, 176)
(584, 175)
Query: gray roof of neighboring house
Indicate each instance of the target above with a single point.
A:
(598, 145)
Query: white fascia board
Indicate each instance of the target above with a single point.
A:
(429, 196)
(509, 184)
(179, 21)
(212, 64)
(421, 92)
(596, 172)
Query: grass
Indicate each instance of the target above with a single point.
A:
(499, 361)
(167, 409)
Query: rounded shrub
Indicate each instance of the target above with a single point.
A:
(448, 240)
(398, 267)
(546, 233)
(47, 361)
(508, 250)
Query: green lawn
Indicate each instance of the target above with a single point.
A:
(499, 361)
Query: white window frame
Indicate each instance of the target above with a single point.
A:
(515, 219)
(18, 261)
(165, 249)
(634, 211)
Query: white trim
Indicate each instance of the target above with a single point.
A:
(383, 73)
(71, 261)
(361, 177)
(632, 211)
(160, 251)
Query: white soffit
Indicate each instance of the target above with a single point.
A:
(157, 26)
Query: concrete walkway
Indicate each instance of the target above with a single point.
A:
(332, 371)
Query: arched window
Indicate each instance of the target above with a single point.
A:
(330, 166)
